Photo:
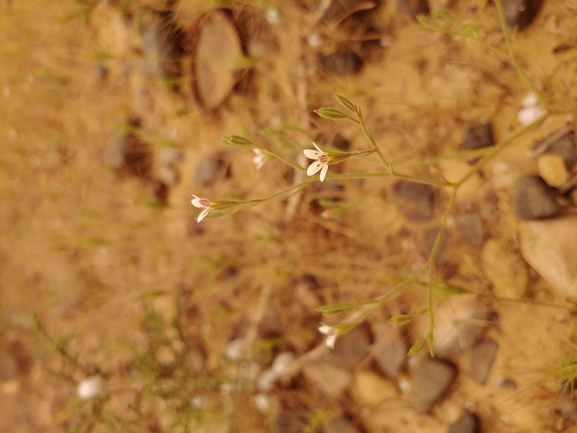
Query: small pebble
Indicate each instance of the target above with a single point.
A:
(90, 387)
(520, 13)
(467, 423)
(478, 137)
(415, 200)
(481, 360)
(430, 380)
(211, 169)
(552, 169)
(534, 199)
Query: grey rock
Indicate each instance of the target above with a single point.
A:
(534, 199)
(212, 168)
(415, 200)
(520, 13)
(351, 348)
(481, 360)
(478, 137)
(390, 349)
(469, 228)
(565, 147)
(430, 380)
(467, 423)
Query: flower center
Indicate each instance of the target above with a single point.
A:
(204, 202)
(324, 159)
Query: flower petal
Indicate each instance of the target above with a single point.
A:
(324, 172)
(331, 339)
(203, 214)
(318, 148)
(325, 329)
(197, 202)
(312, 154)
(314, 167)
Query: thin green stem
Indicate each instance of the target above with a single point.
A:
(493, 151)
(416, 179)
(512, 57)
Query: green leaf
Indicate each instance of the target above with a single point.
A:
(416, 347)
(425, 20)
(401, 319)
(344, 327)
(332, 309)
(237, 141)
(330, 113)
(346, 103)
(451, 290)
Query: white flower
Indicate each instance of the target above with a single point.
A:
(321, 162)
(90, 387)
(331, 334)
(531, 110)
(259, 158)
(272, 16)
(201, 203)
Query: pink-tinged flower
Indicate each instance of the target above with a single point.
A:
(201, 203)
(331, 334)
(259, 158)
(321, 162)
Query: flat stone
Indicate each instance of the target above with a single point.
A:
(340, 425)
(351, 348)
(414, 200)
(371, 389)
(520, 13)
(552, 169)
(565, 147)
(211, 169)
(390, 349)
(454, 171)
(217, 58)
(327, 377)
(469, 228)
(467, 423)
(457, 324)
(478, 137)
(413, 7)
(505, 269)
(430, 380)
(162, 50)
(481, 360)
(341, 63)
(550, 247)
(534, 199)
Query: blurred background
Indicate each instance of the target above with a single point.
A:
(120, 312)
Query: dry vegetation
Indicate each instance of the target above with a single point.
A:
(102, 276)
